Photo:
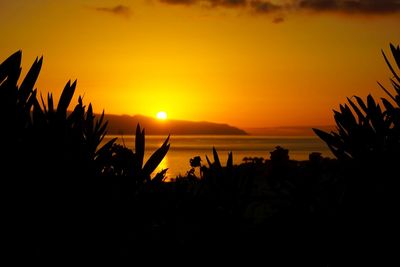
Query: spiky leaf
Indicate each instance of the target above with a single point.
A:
(139, 145)
(390, 65)
(65, 98)
(28, 83)
(156, 158)
(217, 162)
(11, 68)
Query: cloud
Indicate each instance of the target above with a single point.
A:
(318, 5)
(366, 7)
(179, 2)
(228, 3)
(260, 6)
(351, 6)
(119, 10)
(209, 3)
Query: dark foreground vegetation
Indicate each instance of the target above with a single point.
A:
(65, 197)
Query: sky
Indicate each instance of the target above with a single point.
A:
(248, 63)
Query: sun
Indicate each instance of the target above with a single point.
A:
(162, 115)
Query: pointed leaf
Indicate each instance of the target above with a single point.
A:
(99, 122)
(327, 138)
(390, 67)
(28, 83)
(50, 105)
(387, 104)
(139, 145)
(361, 116)
(89, 121)
(106, 147)
(229, 163)
(216, 158)
(43, 104)
(66, 97)
(208, 161)
(386, 91)
(361, 103)
(160, 177)
(156, 158)
(396, 54)
(31, 101)
(11, 68)
(38, 114)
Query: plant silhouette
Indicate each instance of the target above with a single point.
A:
(367, 144)
(69, 195)
(54, 162)
(369, 132)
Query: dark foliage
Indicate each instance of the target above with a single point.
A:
(367, 144)
(368, 131)
(55, 173)
(68, 196)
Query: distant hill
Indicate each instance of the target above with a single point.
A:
(124, 124)
(288, 130)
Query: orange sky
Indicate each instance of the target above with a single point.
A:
(249, 63)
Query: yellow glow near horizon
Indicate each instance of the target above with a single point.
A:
(162, 115)
(224, 65)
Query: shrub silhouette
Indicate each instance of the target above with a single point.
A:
(53, 153)
(50, 139)
(47, 140)
(369, 132)
(367, 144)
(52, 156)
(128, 164)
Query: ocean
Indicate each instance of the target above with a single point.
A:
(185, 147)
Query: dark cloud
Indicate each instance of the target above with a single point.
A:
(179, 2)
(270, 6)
(352, 6)
(260, 6)
(119, 10)
(228, 3)
(320, 5)
(211, 3)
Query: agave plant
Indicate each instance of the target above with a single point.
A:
(216, 173)
(228, 186)
(77, 134)
(217, 163)
(44, 137)
(367, 144)
(16, 103)
(127, 163)
(366, 131)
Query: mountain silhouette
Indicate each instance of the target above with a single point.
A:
(125, 124)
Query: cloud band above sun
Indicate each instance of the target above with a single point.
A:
(365, 7)
(279, 9)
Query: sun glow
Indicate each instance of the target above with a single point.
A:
(162, 115)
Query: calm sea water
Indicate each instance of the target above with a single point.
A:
(188, 146)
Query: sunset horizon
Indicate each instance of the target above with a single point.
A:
(248, 63)
(191, 131)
